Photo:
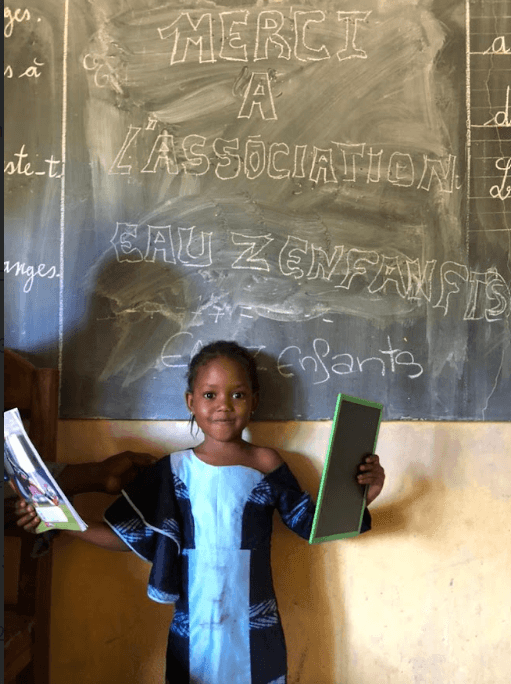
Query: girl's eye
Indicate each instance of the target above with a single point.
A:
(238, 395)
(209, 395)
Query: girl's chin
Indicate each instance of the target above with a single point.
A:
(224, 431)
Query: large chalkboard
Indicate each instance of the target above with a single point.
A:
(327, 183)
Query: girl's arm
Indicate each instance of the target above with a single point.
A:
(99, 534)
(109, 475)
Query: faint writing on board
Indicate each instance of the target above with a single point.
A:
(12, 17)
(322, 359)
(489, 116)
(23, 165)
(30, 273)
(32, 70)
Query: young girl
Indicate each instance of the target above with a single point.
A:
(203, 518)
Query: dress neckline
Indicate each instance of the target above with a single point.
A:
(234, 465)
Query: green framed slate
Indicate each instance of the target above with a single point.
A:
(341, 500)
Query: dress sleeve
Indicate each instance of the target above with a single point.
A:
(146, 517)
(295, 506)
(366, 521)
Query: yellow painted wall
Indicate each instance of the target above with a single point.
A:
(425, 598)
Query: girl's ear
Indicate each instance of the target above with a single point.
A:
(189, 400)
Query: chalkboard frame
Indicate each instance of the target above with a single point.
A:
(355, 458)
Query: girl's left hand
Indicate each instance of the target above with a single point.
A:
(371, 474)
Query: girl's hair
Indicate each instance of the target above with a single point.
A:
(228, 349)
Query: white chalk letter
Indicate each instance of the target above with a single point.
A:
(159, 242)
(269, 23)
(233, 48)
(186, 31)
(351, 20)
(258, 94)
(255, 245)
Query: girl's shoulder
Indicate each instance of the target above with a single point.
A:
(267, 459)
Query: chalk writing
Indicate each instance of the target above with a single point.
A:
(104, 70)
(192, 36)
(501, 118)
(498, 47)
(20, 269)
(486, 287)
(193, 251)
(22, 167)
(502, 191)
(392, 360)
(254, 157)
(486, 294)
(13, 17)
(255, 245)
(177, 360)
(32, 71)
(258, 96)
(324, 362)
(188, 253)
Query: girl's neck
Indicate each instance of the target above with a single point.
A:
(224, 453)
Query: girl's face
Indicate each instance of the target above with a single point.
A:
(222, 400)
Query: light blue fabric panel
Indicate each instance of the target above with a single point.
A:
(218, 569)
(219, 616)
(218, 495)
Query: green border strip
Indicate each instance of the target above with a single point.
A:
(355, 533)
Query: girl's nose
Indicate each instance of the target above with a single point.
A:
(225, 402)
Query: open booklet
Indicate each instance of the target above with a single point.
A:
(33, 481)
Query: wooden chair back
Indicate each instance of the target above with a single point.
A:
(27, 599)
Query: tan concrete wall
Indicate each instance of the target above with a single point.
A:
(422, 599)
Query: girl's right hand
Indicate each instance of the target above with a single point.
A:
(27, 516)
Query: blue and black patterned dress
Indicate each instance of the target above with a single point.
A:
(206, 530)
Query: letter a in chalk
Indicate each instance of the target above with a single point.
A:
(258, 94)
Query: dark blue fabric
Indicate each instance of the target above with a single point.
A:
(366, 521)
(295, 506)
(147, 518)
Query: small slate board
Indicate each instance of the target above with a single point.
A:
(341, 500)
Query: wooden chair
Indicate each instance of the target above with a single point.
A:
(27, 592)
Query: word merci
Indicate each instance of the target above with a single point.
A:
(30, 272)
(324, 361)
(487, 295)
(243, 35)
(254, 158)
